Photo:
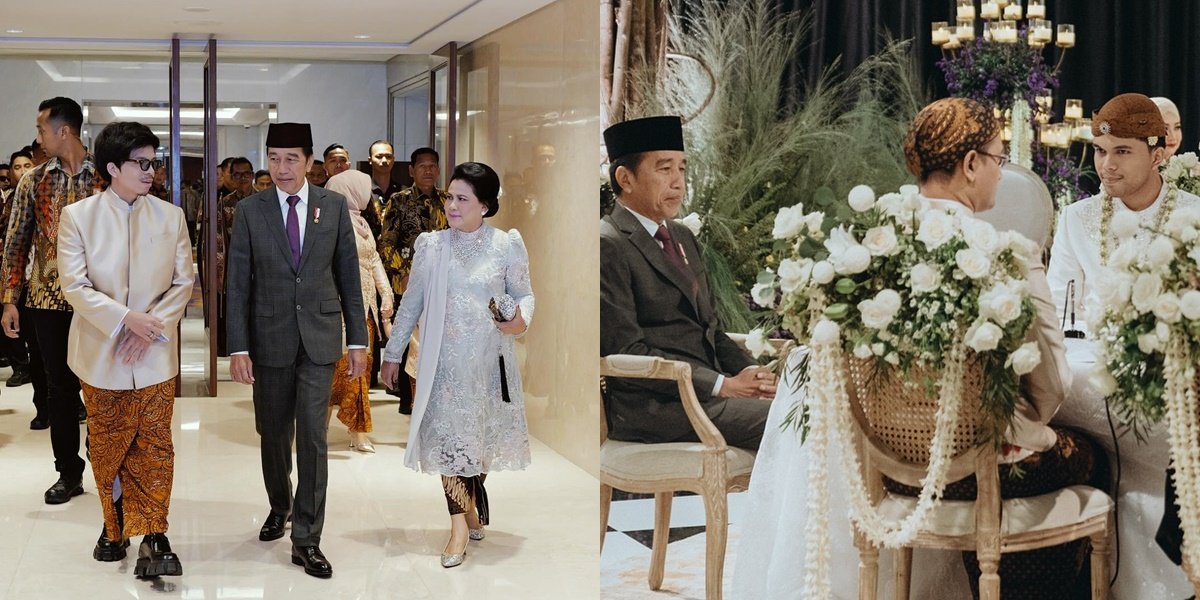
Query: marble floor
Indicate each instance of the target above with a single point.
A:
(385, 525)
(625, 559)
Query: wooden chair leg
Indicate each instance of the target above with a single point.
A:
(1100, 552)
(605, 504)
(716, 526)
(903, 562)
(868, 567)
(662, 527)
(989, 578)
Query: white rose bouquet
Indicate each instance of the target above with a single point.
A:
(910, 286)
(905, 282)
(1149, 331)
(1183, 170)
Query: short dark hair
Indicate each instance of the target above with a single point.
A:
(241, 160)
(484, 181)
(23, 152)
(331, 148)
(629, 161)
(64, 111)
(261, 172)
(117, 141)
(226, 162)
(33, 146)
(376, 143)
(318, 162)
(412, 159)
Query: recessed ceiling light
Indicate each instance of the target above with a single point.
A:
(361, 37)
(14, 31)
(264, 69)
(196, 9)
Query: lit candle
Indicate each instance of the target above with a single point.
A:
(1005, 33)
(966, 9)
(952, 44)
(987, 31)
(989, 10)
(941, 33)
(965, 30)
(1012, 12)
(1074, 109)
(1006, 133)
(1041, 30)
(1066, 36)
(1036, 9)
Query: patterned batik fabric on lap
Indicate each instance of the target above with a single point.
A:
(353, 396)
(1054, 573)
(129, 435)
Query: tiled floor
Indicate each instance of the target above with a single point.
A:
(625, 560)
(385, 525)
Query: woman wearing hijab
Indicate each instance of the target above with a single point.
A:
(470, 289)
(351, 396)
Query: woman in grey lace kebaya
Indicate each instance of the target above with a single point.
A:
(468, 413)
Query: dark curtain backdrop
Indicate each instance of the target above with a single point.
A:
(1146, 46)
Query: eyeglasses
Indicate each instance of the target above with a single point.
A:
(1000, 158)
(146, 163)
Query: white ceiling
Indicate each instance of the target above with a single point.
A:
(293, 29)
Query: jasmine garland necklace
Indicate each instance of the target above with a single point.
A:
(1106, 214)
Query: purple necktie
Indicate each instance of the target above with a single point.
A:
(293, 230)
(675, 257)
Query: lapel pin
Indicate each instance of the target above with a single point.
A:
(316, 215)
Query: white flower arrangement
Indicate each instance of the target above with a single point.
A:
(1149, 331)
(1183, 170)
(907, 285)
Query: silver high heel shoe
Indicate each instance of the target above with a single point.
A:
(453, 560)
(360, 442)
(475, 534)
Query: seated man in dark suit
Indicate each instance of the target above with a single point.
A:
(655, 300)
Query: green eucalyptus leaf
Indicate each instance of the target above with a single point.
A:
(845, 286)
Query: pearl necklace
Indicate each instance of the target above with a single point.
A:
(1106, 214)
(466, 245)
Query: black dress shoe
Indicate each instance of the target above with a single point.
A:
(155, 558)
(108, 550)
(18, 379)
(273, 528)
(39, 422)
(63, 490)
(312, 560)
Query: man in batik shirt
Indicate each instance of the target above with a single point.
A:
(65, 178)
(407, 214)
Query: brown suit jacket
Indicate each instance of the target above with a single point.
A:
(647, 308)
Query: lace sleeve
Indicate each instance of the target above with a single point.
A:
(516, 276)
(412, 304)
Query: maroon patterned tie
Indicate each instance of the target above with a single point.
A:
(293, 229)
(675, 257)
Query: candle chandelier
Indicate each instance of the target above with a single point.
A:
(988, 31)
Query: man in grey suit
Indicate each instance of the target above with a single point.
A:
(654, 300)
(292, 282)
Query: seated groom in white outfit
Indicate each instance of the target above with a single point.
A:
(1130, 140)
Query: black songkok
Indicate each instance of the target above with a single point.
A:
(289, 135)
(644, 135)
